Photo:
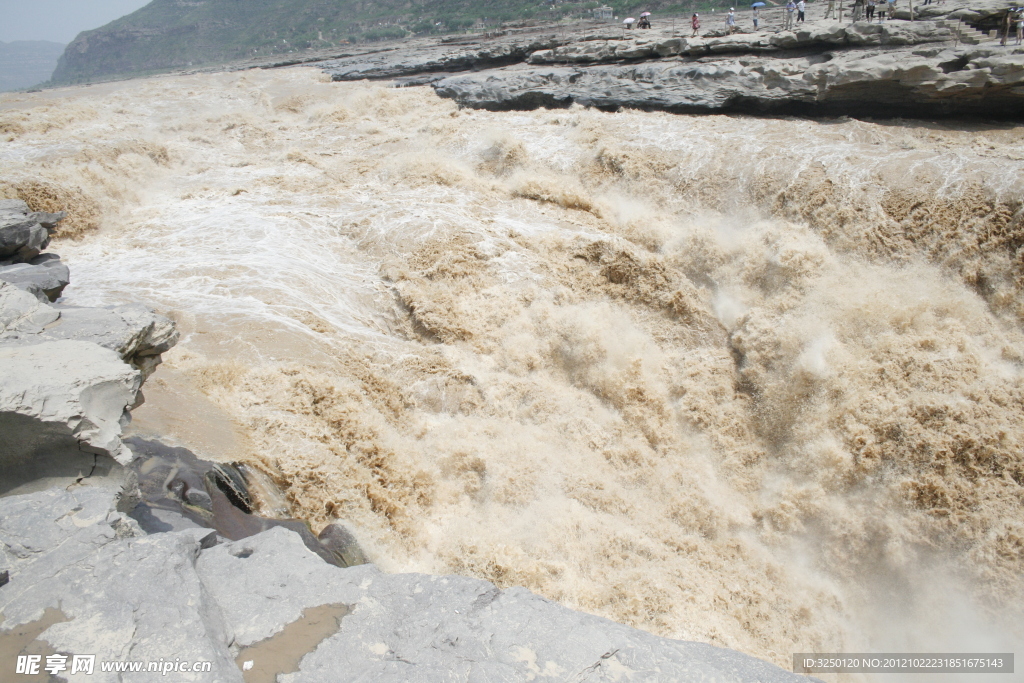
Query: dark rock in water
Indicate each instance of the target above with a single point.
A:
(177, 491)
(340, 542)
(45, 277)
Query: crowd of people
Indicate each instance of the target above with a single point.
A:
(795, 11)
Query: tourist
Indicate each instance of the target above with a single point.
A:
(730, 21)
(1020, 25)
(892, 9)
(801, 7)
(858, 9)
(790, 10)
(695, 23)
(830, 13)
(870, 11)
(756, 14)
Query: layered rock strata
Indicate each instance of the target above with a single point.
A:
(924, 82)
(69, 376)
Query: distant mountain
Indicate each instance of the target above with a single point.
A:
(176, 34)
(25, 63)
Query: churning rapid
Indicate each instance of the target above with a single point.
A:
(753, 382)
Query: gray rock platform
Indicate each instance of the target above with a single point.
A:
(127, 595)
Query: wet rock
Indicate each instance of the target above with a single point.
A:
(44, 276)
(342, 544)
(177, 490)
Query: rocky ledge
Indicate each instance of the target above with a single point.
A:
(932, 81)
(133, 551)
(929, 64)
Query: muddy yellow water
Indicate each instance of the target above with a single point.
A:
(753, 382)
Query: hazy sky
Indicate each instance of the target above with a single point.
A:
(59, 20)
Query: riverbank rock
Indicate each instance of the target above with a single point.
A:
(922, 82)
(23, 233)
(44, 276)
(62, 403)
(126, 595)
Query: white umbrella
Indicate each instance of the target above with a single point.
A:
(645, 14)
(628, 20)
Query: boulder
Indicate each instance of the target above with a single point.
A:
(62, 403)
(44, 276)
(22, 314)
(24, 234)
(123, 595)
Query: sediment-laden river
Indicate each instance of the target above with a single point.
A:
(753, 382)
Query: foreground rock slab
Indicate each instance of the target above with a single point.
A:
(124, 595)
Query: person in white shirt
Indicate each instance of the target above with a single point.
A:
(730, 20)
(801, 7)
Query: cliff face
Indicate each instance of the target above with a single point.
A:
(171, 34)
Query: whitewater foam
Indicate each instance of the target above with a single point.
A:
(756, 382)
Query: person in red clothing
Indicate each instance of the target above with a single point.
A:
(695, 23)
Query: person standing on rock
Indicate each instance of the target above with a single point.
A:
(801, 9)
(1020, 26)
(790, 9)
(695, 23)
(756, 15)
(869, 12)
(830, 13)
(730, 21)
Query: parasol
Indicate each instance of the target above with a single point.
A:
(645, 14)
